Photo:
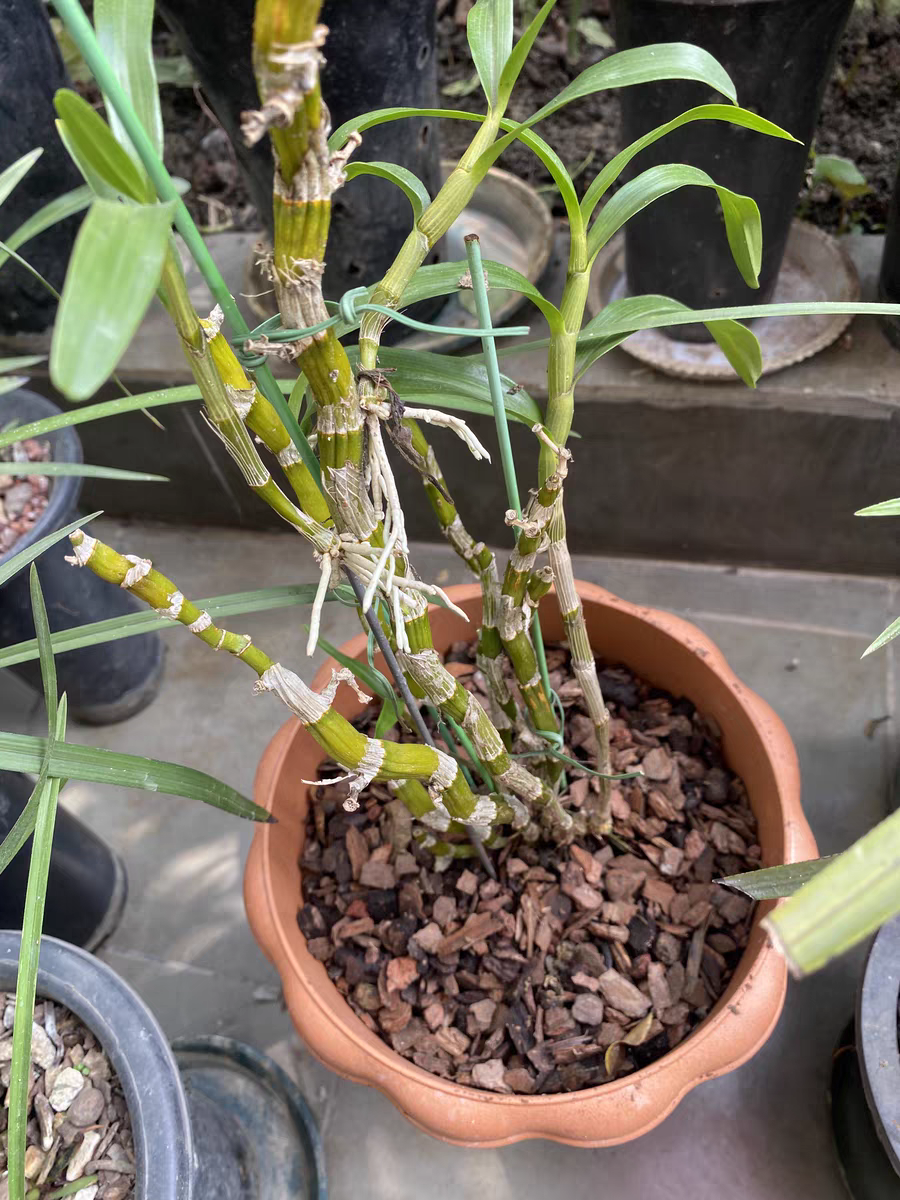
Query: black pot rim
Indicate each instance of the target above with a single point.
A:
(137, 1049)
(65, 446)
(876, 1032)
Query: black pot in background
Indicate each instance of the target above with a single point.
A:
(103, 683)
(865, 1082)
(215, 1121)
(377, 56)
(87, 886)
(31, 70)
(889, 280)
(779, 53)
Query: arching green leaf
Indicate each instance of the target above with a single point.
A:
(411, 186)
(114, 271)
(520, 52)
(704, 112)
(743, 226)
(56, 210)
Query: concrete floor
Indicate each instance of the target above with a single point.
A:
(761, 1132)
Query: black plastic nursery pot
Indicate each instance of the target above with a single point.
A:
(377, 56)
(865, 1084)
(889, 279)
(779, 54)
(215, 1120)
(104, 683)
(87, 886)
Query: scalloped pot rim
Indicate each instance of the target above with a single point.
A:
(672, 654)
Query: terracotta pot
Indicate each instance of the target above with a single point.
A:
(667, 652)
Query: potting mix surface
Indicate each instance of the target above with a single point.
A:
(79, 1130)
(578, 964)
(22, 497)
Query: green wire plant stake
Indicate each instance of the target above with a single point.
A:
(479, 774)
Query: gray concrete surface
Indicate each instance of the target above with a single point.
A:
(761, 1132)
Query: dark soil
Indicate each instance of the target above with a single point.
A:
(859, 121)
(78, 1127)
(22, 497)
(577, 965)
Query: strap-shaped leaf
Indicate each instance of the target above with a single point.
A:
(125, 30)
(19, 752)
(853, 894)
(19, 363)
(622, 317)
(45, 650)
(438, 381)
(12, 174)
(489, 29)
(96, 412)
(743, 226)
(516, 60)
(57, 210)
(704, 112)
(11, 382)
(771, 883)
(131, 624)
(106, 166)
(88, 470)
(30, 553)
(379, 116)
(885, 508)
(888, 635)
(113, 273)
(643, 64)
(411, 186)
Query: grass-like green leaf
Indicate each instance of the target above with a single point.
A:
(56, 210)
(29, 955)
(9, 383)
(113, 273)
(45, 649)
(771, 883)
(97, 412)
(704, 112)
(20, 752)
(114, 629)
(20, 362)
(743, 225)
(888, 635)
(516, 60)
(10, 176)
(107, 167)
(851, 897)
(30, 553)
(88, 470)
(411, 186)
(620, 318)
(885, 508)
(23, 827)
(490, 32)
(125, 31)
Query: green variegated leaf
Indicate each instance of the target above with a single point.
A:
(113, 273)
(742, 220)
(490, 32)
(411, 186)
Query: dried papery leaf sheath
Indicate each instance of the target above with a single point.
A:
(367, 758)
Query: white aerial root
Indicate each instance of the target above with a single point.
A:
(431, 416)
(328, 565)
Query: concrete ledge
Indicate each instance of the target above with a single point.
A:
(708, 472)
